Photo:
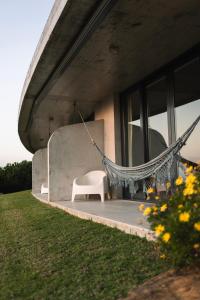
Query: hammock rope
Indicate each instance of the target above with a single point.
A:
(161, 169)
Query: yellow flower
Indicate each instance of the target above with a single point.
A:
(189, 190)
(184, 217)
(179, 180)
(190, 179)
(147, 211)
(189, 170)
(162, 256)
(157, 197)
(196, 246)
(180, 206)
(148, 197)
(141, 207)
(197, 226)
(159, 229)
(163, 207)
(150, 190)
(155, 208)
(168, 185)
(166, 237)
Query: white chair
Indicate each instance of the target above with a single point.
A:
(94, 182)
(44, 189)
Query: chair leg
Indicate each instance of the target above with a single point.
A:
(73, 197)
(102, 195)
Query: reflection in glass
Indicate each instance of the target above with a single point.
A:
(185, 115)
(156, 95)
(135, 134)
(187, 103)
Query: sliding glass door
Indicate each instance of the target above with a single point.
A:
(187, 106)
(132, 132)
(135, 132)
(156, 112)
(156, 95)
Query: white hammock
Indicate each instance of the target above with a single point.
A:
(162, 168)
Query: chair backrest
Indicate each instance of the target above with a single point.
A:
(91, 178)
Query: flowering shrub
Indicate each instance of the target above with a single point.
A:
(176, 222)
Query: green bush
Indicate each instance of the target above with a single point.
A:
(16, 177)
(176, 222)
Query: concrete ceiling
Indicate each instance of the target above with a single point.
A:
(134, 39)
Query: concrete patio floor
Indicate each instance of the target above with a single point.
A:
(121, 214)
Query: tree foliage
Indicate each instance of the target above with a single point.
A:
(16, 177)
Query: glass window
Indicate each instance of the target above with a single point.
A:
(187, 103)
(135, 133)
(156, 94)
(169, 106)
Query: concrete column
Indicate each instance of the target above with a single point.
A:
(109, 111)
(39, 170)
(71, 154)
(117, 126)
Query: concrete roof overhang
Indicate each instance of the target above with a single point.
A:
(91, 49)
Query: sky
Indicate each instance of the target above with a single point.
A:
(21, 24)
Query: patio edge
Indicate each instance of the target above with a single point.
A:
(127, 228)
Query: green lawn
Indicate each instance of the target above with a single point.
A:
(48, 254)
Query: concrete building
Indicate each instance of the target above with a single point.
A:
(132, 68)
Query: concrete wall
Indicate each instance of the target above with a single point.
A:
(70, 155)
(39, 170)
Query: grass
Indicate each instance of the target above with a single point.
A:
(48, 254)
